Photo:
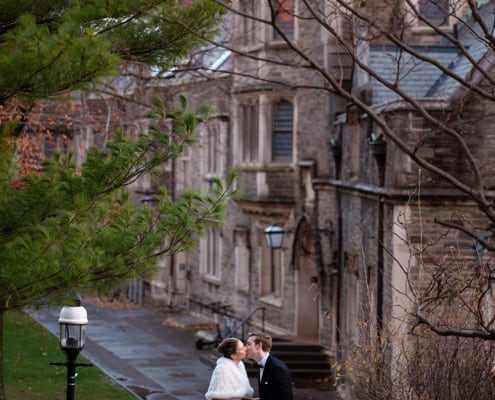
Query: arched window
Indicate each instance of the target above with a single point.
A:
(284, 17)
(282, 131)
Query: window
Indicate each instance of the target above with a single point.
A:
(210, 255)
(352, 295)
(271, 271)
(284, 17)
(213, 148)
(354, 136)
(242, 259)
(247, 22)
(282, 131)
(435, 11)
(249, 131)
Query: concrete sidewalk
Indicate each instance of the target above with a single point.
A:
(151, 351)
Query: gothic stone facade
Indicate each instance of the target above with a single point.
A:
(345, 208)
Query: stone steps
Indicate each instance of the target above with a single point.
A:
(306, 361)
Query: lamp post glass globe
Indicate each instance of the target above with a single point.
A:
(73, 322)
(274, 235)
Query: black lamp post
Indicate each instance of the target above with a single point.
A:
(73, 322)
(274, 235)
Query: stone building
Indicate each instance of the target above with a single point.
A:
(276, 132)
(359, 214)
(353, 205)
(387, 208)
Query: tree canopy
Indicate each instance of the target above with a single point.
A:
(55, 46)
(68, 226)
(65, 229)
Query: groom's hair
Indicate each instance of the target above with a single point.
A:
(263, 338)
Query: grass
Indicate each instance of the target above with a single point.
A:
(28, 350)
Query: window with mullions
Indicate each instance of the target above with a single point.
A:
(435, 11)
(284, 17)
(249, 128)
(242, 256)
(210, 260)
(247, 21)
(282, 131)
(211, 139)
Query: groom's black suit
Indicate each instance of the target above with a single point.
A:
(276, 382)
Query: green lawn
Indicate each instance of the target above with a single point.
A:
(29, 348)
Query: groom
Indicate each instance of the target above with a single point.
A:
(274, 380)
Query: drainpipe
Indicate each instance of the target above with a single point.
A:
(379, 151)
(336, 148)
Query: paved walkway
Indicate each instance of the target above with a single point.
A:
(151, 351)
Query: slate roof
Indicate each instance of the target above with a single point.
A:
(422, 79)
(204, 62)
(415, 77)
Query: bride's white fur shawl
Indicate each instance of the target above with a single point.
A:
(229, 381)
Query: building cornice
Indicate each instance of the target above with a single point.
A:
(396, 194)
